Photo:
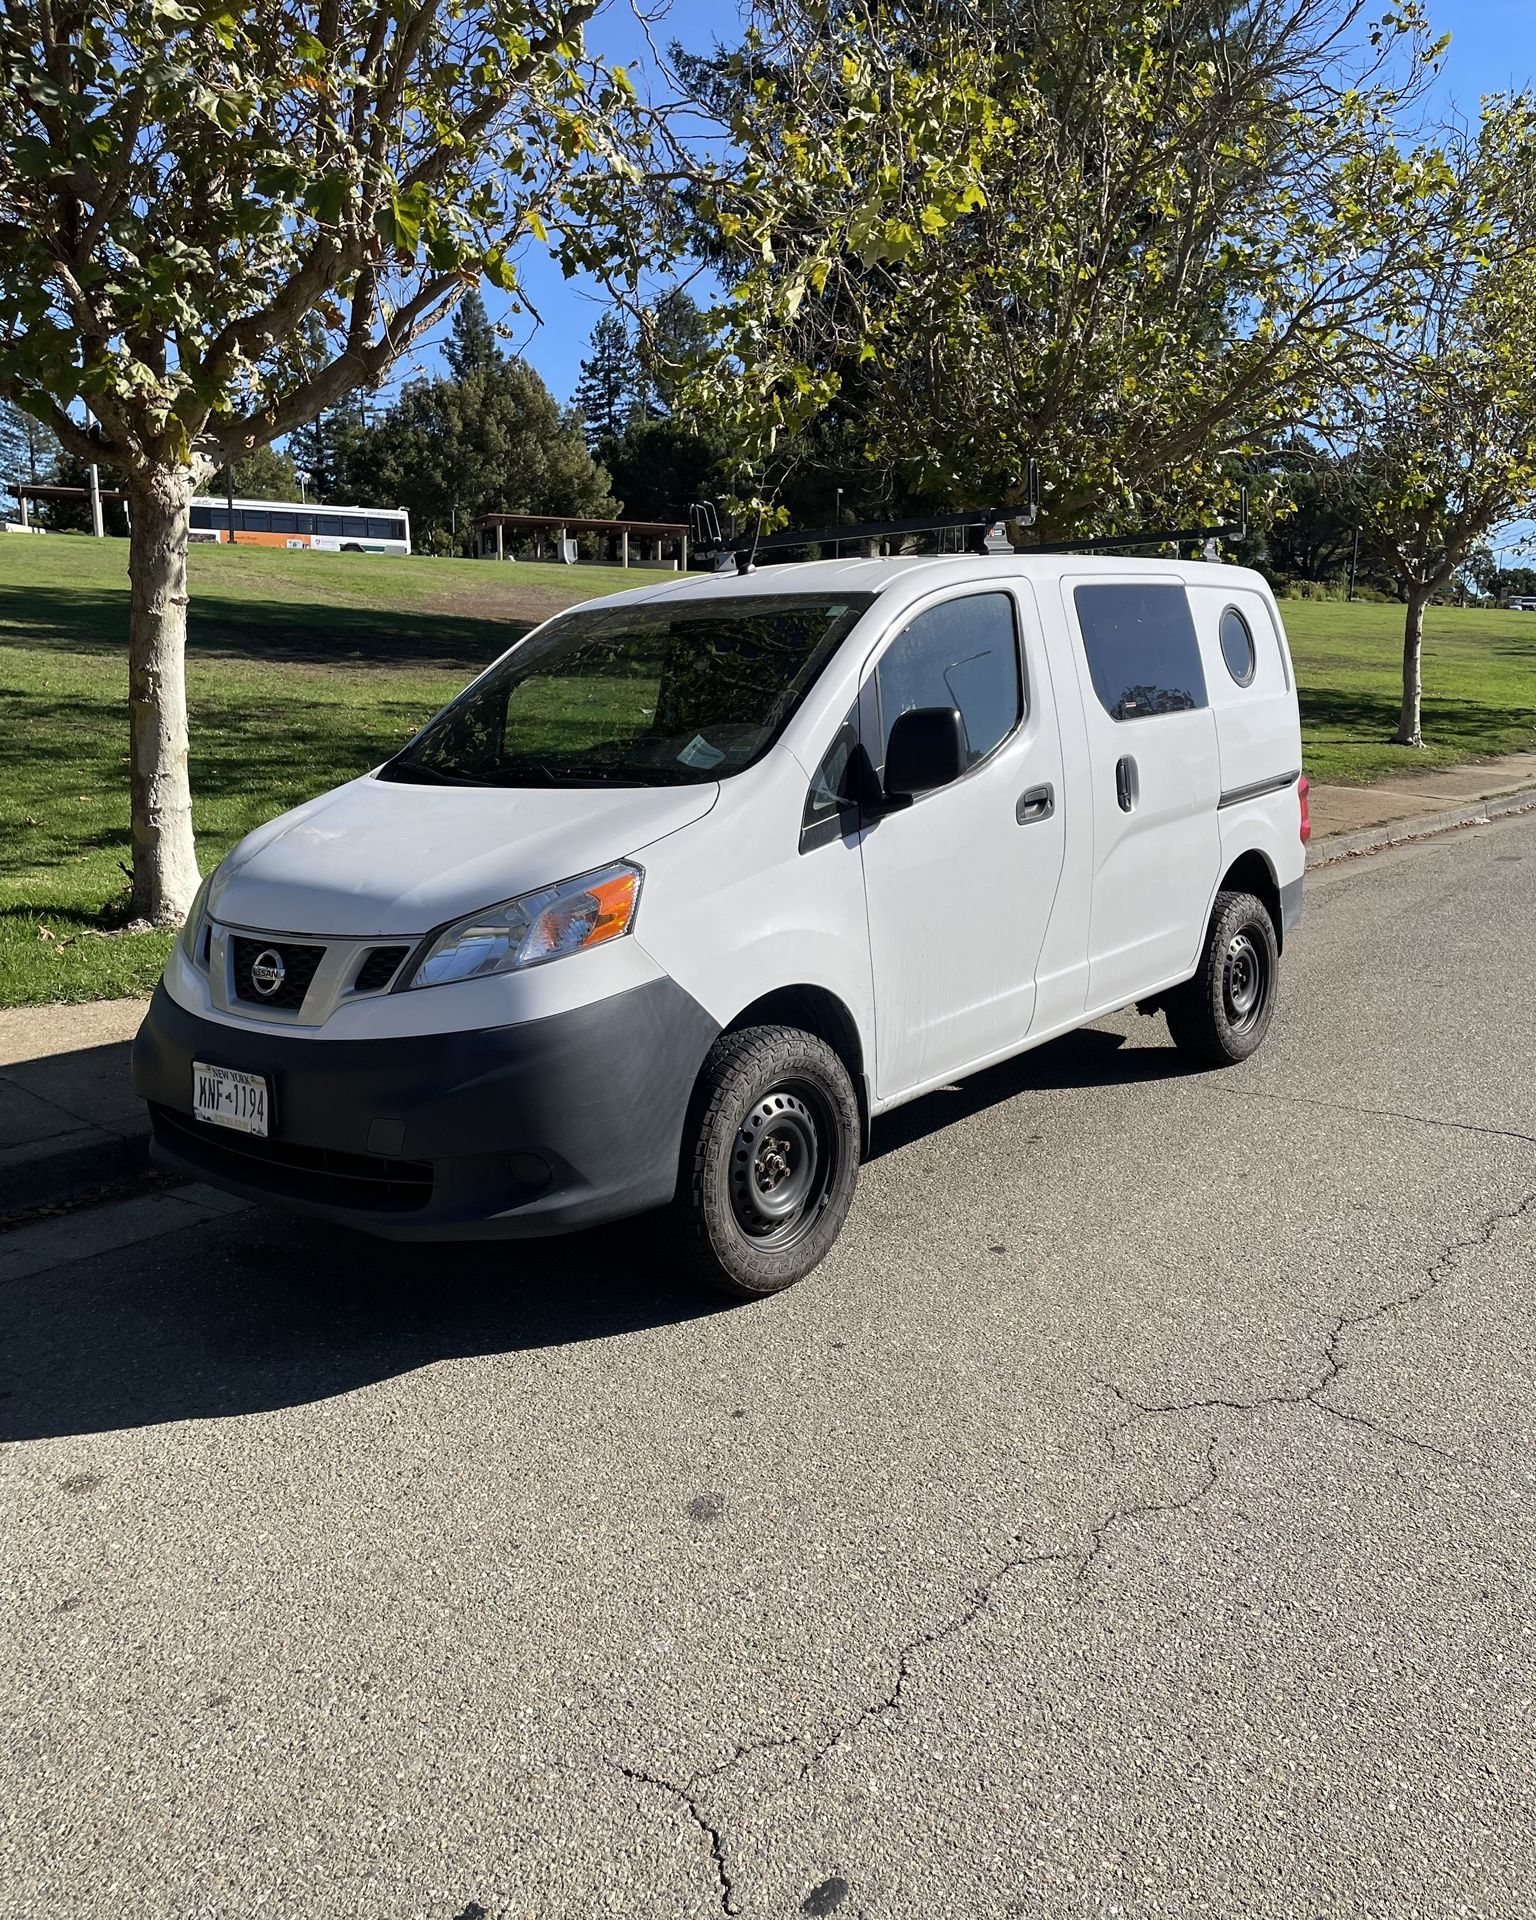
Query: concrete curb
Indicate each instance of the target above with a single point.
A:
(55, 1171)
(1397, 833)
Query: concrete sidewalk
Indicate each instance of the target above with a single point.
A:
(1350, 820)
(69, 1119)
(1407, 798)
(70, 1122)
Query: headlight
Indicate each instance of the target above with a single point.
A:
(191, 935)
(547, 925)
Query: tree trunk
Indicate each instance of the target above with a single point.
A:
(1409, 732)
(165, 877)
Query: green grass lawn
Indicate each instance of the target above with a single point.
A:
(304, 669)
(1479, 687)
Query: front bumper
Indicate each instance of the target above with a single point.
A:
(513, 1132)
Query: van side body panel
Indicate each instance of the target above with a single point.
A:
(1061, 974)
(733, 911)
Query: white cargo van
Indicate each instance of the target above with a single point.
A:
(697, 880)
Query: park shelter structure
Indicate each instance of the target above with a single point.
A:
(43, 491)
(497, 533)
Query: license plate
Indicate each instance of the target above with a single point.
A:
(225, 1098)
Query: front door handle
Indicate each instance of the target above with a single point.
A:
(1127, 783)
(1035, 803)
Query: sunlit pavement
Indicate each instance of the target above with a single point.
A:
(1134, 1516)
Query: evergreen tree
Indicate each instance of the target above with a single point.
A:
(610, 390)
(27, 447)
(329, 449)
(472, 344)
(264, 474)
(673, 334)
(660, 467)
(494, 440)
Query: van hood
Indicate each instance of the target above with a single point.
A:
(377, 858)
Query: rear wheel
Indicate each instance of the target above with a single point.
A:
(770, 1160)
(1222, 1015)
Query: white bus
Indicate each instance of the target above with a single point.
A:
(291, 523)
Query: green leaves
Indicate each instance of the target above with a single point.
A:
(190, 185)
(1087, 233)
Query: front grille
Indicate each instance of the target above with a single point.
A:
(299, 964)
(366, 1181)
(379, 969)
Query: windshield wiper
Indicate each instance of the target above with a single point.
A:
(408, 773)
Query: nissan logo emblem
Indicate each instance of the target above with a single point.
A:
(267, 972)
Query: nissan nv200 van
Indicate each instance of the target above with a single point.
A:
(696, 881)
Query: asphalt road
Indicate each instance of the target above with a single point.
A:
(1133, 1517)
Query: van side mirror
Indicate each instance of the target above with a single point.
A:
(927, 749)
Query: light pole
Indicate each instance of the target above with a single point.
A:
(837, 521)
(303, 479)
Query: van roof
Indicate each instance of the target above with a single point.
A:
(920, 573)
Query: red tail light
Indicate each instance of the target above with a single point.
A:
(1303, 788)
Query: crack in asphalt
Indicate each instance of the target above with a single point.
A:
(1376, 1113)
(1023, 1554)
(1334, 1363)
(1082, 1563)
(695, 1813)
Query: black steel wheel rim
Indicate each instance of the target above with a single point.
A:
(783, 1164)
(1245, 979)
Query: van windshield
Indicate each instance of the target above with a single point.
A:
(665, 694)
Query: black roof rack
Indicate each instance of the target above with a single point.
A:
(1155, 536)
(978, 522)
(743, 552)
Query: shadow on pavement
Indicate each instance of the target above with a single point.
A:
(260, 1310)
(1090, 1057)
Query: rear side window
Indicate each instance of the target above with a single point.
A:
(962, 653)
(1237, 647)
(1141, 647)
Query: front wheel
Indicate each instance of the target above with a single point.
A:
(1223, 1014)
(770, 1160)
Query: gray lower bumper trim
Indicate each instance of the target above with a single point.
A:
(531, 1129)
(1290, 906)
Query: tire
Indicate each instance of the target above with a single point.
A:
(770, 1161)
(1223, 1014)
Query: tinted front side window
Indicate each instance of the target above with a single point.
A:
(962, 653)
(1142, 652)
(832, 796)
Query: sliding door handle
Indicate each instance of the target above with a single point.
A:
(1035, 803)
(1127, 783)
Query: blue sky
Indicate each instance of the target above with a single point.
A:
(1493, 47)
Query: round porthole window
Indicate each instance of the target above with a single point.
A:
(1237, 647)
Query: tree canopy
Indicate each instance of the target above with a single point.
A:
(1442, 434)
(216, 222)
(1130, 243)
